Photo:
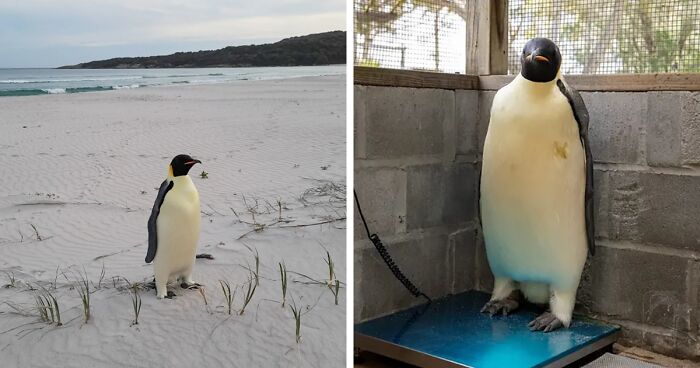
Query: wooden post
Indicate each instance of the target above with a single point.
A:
(499, 37)
(487, 37)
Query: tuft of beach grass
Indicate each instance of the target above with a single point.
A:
(83, 288)
(331, 268)
(257, 268)
(279, 209)
(204, 296)
(36, 233)
(252, 286)
(228, 296)
(283, 280)
(135, 302)
(335, 289)
(102, 276)
(12, 279)
(48, 308)
(296, 312)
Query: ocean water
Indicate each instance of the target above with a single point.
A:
(27, 82)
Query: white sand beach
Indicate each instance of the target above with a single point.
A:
(78, 178)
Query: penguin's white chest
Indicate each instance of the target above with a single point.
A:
(178, 226)
(532, 187)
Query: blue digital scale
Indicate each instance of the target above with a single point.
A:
(451, 332)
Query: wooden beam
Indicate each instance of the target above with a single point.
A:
(408, 78)
(498, 38)
(478, 44)
(613, 82)
(601, 82)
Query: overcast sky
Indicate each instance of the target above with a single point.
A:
(50, 33)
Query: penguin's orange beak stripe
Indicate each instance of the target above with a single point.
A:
(541, 58)
(193, 162)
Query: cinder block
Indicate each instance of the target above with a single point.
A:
(467, 117)
(673, 128)
(690, 128)
(440, 195)
(668, 342)
(619, 202)
(617, 120)
(405, 122)
(463, 245)
(638, 286)
(670, 212)
(601, 204)
(663, 129)
(360, 128)
(648, 207)
(426, 262)
(485, 102)
(626, 204)
(382, 194)
(460, 194)
(425, 196)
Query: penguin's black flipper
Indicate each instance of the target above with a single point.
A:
(152, 234)
(581, 115)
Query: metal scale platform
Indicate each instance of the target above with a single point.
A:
(451, 332)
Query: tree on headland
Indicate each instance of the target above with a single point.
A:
(315, 49)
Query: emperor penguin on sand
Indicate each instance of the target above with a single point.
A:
(173, 228)
(536, 190)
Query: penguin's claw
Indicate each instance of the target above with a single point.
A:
(505, 306)
(545, 322)
(191, 286)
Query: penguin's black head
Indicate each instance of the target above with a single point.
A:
(540, 60)
(181, 164)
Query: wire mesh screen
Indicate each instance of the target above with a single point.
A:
(610, 36)
(411, 34)
(594, 36)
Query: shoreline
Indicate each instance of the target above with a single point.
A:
(64, 89)
(194, 67)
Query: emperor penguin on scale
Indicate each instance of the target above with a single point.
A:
(173, 228)
(536, 190)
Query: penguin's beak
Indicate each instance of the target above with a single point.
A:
(541, 58)
(190, 163)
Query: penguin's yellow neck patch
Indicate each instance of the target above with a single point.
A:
(170, 171)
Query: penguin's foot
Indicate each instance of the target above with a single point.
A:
(168, 295)
(504, 306)
(190, 286)
(546, 322)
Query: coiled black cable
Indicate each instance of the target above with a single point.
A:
(387, 257)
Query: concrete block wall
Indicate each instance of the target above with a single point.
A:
(416, 170)
(415, 174)
(646, 273)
